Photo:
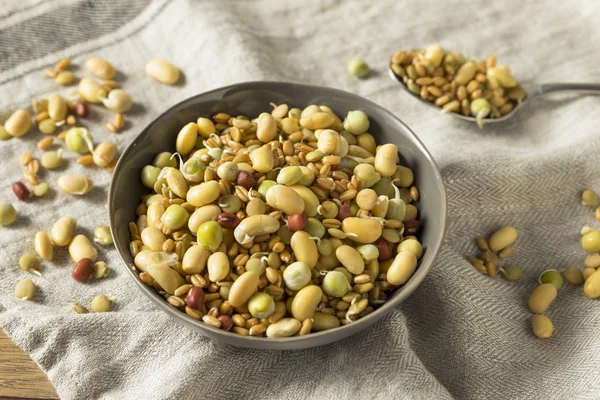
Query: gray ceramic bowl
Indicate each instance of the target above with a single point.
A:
(250, 99)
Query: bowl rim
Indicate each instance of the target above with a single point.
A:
(359, 324)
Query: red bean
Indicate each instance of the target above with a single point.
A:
(81, 109)
(412, 227)
(228, 220)
(195, 298)
(192, 153)
(245, 179)
(385, 250)
(83, 270)
(20, 190)
(297, 222)
(226, 322)
(344, 212)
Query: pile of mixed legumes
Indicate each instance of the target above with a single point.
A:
(282, 225)
(475, 88)
(58, 119)
(500, 246)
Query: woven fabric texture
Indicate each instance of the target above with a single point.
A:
(461, 334)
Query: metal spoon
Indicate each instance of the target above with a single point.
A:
(532, 93)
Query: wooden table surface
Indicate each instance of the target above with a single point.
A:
(20, 377)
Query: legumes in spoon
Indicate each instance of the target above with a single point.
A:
(477, 91)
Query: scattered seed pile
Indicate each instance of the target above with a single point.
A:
(63, 113)
(286, 224)
(457, 84)
(551, 280)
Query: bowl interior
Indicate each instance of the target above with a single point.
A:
(251, 99)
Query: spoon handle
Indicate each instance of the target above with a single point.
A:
(557, 87)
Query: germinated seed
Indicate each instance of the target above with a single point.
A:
(100, 67)
(8, 214)
(541, 297)
(542, 326)
(63, 231)
(25, 289)
(100, 270)
(29, 263)
(19, 123)
(103, 236)
(162, 71)
(51, 159)
(75, 184)
(43, 246)
(81, 247)
(100, 303)
(574, 276)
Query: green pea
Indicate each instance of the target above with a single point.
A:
(356, 122)
(354, 208)
(51, 159)
(224, 292)
(261, 305)
(552, 276)
(228, 171)
(193, 170)
(264, 186)
(256, 265)
(345, 272)
(164, 160)
(210, 235)
(315, 228)
(384, 187)
(175, 217)
(297, 275)
(511, 272)
(411, 245)
(368, 252)
(347, 163)
(358, 68)
(8, 214)
(396, 206)
(516, 93)
(480, 108)
(335, 284)
(230, 203)
(150, 175)
(215, 153)
(590, 242)
(79, 140)
(289, 175)
(367, 174)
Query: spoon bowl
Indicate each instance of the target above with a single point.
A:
(533, 92)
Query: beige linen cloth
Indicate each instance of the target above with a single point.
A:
(461, 334)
